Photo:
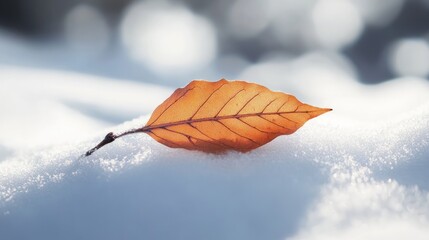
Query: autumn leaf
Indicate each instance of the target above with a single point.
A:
(223, 115)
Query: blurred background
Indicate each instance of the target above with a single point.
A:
(172, 42)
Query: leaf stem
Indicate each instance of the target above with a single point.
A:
(110, 137)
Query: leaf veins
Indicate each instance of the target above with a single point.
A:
(223, 115)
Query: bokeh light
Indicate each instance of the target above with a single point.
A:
(173, 41)
(379, 13)
(337, 23)
(86, 30)
(291, 26)
(247, 18)
(168, 38)
(410, 57)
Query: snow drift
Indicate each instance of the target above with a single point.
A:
(359, 172)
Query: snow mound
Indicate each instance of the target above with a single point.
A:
(359, 172)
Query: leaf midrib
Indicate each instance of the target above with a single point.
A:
(217, 118)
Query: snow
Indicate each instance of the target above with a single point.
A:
(56, 107)
(358, 172)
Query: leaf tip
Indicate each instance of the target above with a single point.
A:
(319, 111)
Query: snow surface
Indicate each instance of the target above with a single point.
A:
(358, 172)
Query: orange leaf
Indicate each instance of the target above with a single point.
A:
(223, 115)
